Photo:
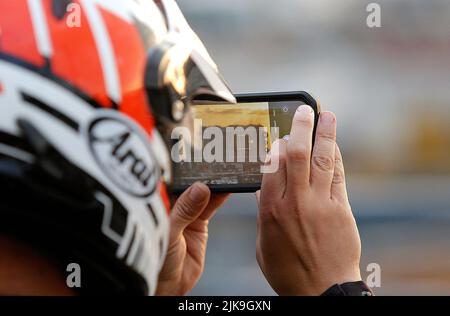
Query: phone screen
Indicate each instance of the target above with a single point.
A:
(228, 143)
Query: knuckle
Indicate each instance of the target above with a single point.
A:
(323, 162)
(280, 157)
(183, 210)
(338, 177)
(298, 153)
(268, 216)
(326, 137)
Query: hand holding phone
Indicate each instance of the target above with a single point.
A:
(307, 236)
(230, 142)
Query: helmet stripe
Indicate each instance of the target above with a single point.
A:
(40, 28)
(105, 50)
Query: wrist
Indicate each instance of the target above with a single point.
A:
(316, 284)
(336, 279)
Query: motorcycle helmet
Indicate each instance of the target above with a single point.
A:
(89, 91)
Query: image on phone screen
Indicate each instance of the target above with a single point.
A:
(230, 142)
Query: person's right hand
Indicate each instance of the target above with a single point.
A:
(307, 236)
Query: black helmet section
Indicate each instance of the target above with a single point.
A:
(53, 206)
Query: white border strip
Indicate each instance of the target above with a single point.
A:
(40, 28)
(105, 50)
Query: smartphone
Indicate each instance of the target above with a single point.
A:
(228, 144)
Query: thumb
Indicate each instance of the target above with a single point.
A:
(189, 206)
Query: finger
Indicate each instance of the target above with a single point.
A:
(274, 184)
(215, 202)
(322, 162)
(338, 187)
(299, 149)
(189, 206)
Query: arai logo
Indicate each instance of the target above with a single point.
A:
(124, 154)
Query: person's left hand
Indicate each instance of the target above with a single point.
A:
(188, 238)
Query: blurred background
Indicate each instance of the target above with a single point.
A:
(390, 88)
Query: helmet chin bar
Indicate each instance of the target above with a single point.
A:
(51, 167)
(53, 203)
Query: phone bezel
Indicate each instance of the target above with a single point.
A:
(261, 97)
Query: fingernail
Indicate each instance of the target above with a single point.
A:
(286, 138)
(305, 112)
(327, 118)
(197, 193)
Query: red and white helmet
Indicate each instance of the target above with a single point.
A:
(89, 90)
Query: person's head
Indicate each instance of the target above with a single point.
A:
(89, 93)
